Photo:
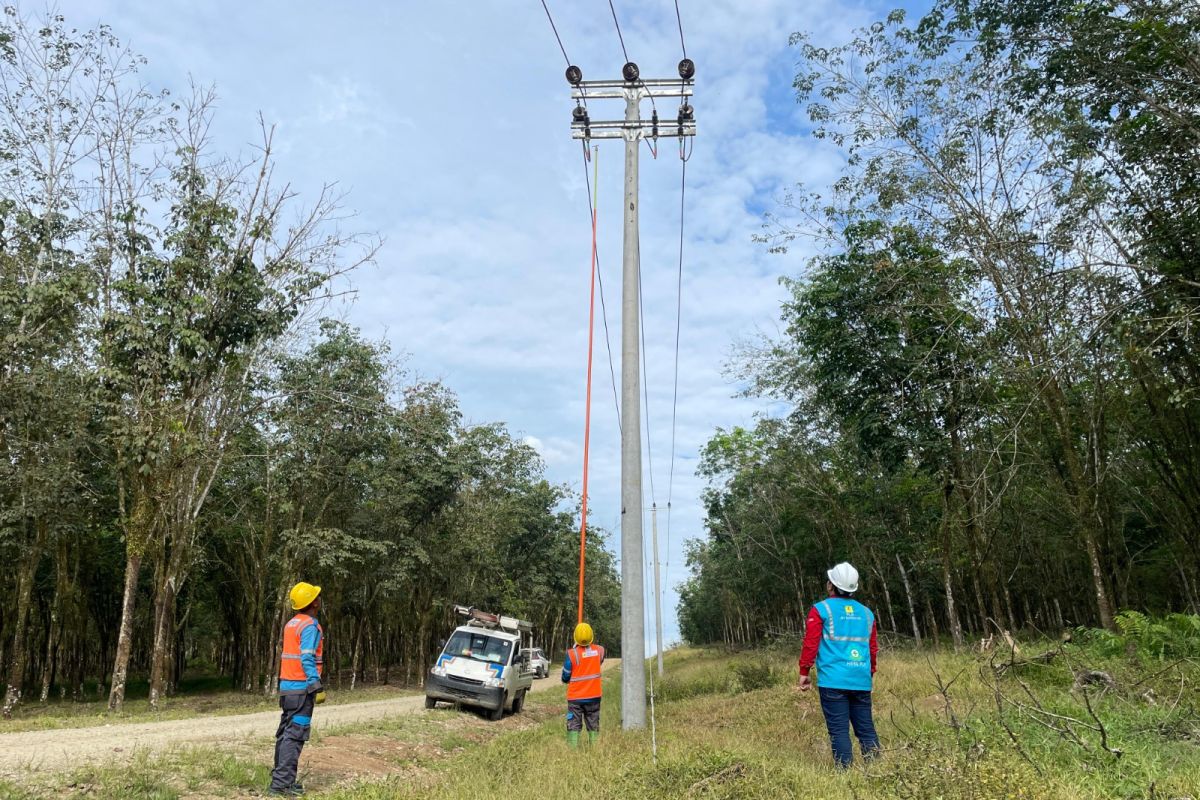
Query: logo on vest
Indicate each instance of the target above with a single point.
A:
(855, 654)
(849, 610)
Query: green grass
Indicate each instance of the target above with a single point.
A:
(730, 725)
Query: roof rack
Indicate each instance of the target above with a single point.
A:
(486, 619)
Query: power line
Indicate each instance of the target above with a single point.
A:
(683, 159)
(591, 213)
(652, 148)
(679, 20)
(554, 28)
(618, 25)
(603, 308)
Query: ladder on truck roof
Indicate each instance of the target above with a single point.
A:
(486, 619)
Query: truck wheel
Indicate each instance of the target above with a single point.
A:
(430, 702)
(519, 702)
(497, 714)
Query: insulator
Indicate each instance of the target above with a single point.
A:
(575, 75)
(579, 114)
(631, 72)
(686, 112)
(687, 69)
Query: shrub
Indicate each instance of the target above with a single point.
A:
(1171, 636)
(749, 676)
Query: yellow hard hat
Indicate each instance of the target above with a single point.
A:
(583, 634)
(303, 594)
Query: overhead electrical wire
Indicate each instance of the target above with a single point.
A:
(596, 279)
(679, 20)
(685, 154)
(613, 9)
(603, 308)
(653, 148)
(558, 38)
(683, 159)
(587, 414)
(591, 212)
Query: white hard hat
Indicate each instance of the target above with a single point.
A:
(845, 577)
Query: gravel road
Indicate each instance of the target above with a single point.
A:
(56, 750)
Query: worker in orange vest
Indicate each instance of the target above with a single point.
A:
(300, 687)
(581, 673)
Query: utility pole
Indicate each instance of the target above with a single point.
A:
(633, 89)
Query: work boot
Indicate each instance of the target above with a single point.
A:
(593, 737)
(572, 738)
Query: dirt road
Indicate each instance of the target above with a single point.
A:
(66, 748)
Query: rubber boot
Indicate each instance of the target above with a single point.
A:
(572, 738)
(593, 737)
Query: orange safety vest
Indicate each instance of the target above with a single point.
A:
(585, 672)
(290, 668)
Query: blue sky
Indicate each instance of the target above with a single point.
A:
(448, 125)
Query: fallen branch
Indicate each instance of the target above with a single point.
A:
(734, 770)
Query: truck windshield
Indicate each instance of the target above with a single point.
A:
(478, 646)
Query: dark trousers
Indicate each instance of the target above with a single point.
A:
(579, 712)
(843, 708)
(294, 727)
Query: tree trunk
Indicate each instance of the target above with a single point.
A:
(164, 629)
(356, 655)
(56, 612)
(1107, 619)
(18, 658)
(887, 594)
(912, 609)
(133, 568)
(951, 612)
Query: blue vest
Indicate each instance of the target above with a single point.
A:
(844, 659)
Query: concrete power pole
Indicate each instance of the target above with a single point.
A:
(633, 89)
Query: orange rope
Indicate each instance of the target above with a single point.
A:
(587, 414)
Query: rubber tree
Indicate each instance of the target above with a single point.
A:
(185, 331)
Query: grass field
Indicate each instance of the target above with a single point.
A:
(729, 725)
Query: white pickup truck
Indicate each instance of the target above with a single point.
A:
(482, 664)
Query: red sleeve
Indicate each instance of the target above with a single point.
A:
(812, 640)
(874, 648)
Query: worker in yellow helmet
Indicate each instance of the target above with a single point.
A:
(581, 673)
(300, 688)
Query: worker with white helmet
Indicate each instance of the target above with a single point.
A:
(839, 639)
(581, 673)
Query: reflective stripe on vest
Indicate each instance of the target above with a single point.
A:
(844, 658)
(585, 672)
(291, 667)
